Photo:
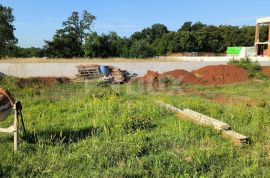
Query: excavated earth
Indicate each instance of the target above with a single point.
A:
(209, 75)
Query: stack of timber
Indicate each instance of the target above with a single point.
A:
(199, 118)
(87, 72)
(117, 75)
(91, 71)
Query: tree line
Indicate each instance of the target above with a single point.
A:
(75, 39)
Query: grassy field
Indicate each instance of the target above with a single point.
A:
(95, 130)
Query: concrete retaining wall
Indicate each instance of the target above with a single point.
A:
(25, 70)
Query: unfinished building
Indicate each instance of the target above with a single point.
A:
(262, 48)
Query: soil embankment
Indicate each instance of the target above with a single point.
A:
(209, 75)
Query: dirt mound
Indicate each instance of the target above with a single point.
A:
(221, 74)
(41, 81)
(183, 75)
(151, 76)
(210, 75)
(266, 70)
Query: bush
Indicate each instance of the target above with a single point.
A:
(135, 123)
(252, 67)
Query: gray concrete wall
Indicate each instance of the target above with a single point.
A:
(25, 70)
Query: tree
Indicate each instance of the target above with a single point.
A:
(141, 49)
(104, 46)
(150, 34)
(80, 27)
(67, 42)
(7, 37)
(187, 26)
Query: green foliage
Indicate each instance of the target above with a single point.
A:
(253, 67)
(104, 46)
(75, 39)
(63, 45)
(141, 49)
(140, 122)
(73, 134)
(67, 42)
(7, 38)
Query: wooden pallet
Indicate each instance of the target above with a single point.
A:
(88, 72)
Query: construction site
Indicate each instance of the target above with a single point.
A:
(189, 114)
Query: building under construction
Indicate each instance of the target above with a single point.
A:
(262, 48)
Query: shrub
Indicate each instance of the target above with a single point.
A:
(135, 123)
(252, 67)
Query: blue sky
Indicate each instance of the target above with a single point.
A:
(37, 20)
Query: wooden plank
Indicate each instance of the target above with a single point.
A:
(205, 120)
(15, 136)
(11, 129)
(237, 138)
(198, 117)
(89, 73)
(208, 121)
(88, 66)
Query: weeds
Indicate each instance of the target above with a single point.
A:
(93, 130)
(253, 68)
(135, 123)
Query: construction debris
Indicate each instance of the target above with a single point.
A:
(92, 71)
(118, 75)
(88, 72)
(208, 121)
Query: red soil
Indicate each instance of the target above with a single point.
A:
(221, 74)
(210, 75)
(151, 76)
(184, 76)
(41, 81)
(266, 70)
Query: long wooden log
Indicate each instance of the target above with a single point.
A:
(198, 117)
(236, 137)
(208, 121)
(205, 120)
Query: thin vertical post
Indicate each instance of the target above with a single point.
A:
(257, 35)
(15, 129)
(268, 49)
(257, 38)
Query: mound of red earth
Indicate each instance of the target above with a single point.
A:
(221, 74)
(266, 70)
(151, 76)
(42, 81)
(183, 76)
(210, 75)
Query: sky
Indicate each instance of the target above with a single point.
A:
(37, 20)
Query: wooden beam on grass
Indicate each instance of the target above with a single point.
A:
(198, 117)
(236, 137)
(208, 121)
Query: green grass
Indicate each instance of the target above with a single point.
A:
(92, 130)
(252, 67)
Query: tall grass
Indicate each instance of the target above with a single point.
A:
(92, 130)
